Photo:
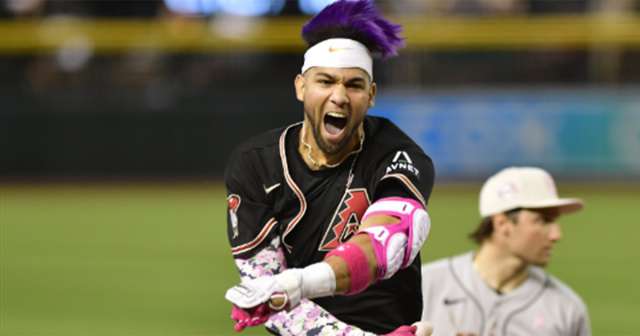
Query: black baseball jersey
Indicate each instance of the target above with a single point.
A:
(272, 193)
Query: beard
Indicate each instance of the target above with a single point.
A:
(326, 147)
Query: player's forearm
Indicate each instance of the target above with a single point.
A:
(339, 266)
(391, 236)
(333, 276)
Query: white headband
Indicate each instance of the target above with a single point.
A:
(339, 53)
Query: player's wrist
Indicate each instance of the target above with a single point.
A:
(316, 280)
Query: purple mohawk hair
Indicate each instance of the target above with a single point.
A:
(357, 20)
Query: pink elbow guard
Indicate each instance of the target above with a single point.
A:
(357, 264)
(397, 245)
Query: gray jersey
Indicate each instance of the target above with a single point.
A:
(458, 302)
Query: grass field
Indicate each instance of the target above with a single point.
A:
(153, 259)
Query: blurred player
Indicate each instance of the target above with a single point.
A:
(501, 289)
(311, 260)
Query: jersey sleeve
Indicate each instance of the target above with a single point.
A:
(582, 323)
(405, 173)
(251, 223)
(583, 326)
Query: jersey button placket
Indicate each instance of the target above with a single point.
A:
(492, 322)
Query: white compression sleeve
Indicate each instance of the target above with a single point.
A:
(318, 280)
(315, 280)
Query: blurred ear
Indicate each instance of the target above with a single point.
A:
(372, 94)
(300, 85)
(501, 225)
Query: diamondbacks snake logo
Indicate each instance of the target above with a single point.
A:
(346, 220)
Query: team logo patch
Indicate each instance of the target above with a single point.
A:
(507, 191)
(346, 220)
(233, 203)
(538, 322)
(402, 161)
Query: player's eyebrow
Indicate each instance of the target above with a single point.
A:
(325, 76)
(550, 216)
(547, 215)
(359, 80)
(356, 81)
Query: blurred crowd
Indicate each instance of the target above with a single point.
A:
(509, 7)
(93, 8)
(160, 78)
(153, 8)
(74, 109)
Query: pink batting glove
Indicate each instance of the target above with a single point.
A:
(403, 331)
(249, 317)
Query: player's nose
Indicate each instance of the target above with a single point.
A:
(555, 232)
(339, 95)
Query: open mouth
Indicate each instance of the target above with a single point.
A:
(334, 123)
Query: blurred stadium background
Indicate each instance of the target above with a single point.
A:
(116, 119)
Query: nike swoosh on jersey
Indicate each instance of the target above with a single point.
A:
(448, 301)
(267, 190)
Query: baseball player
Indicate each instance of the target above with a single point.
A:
(326, 217)
(501, 289)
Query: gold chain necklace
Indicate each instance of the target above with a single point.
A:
(314, 162)
(308, 147)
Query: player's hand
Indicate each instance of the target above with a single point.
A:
(249, 317)
(281, 291)
(252, 293)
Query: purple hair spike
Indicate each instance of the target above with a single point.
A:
(358, 20)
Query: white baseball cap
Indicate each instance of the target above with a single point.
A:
(523, 187)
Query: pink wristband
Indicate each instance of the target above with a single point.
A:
(357, 264)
